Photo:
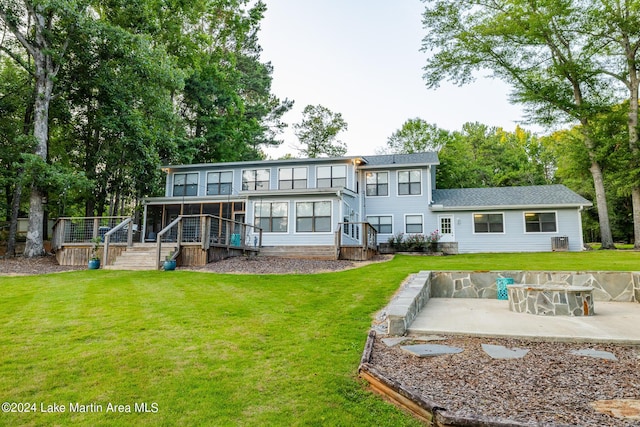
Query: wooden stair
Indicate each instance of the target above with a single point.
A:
(141, 256)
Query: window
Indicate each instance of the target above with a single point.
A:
(382, 224)
(409, 183)
(413, 224)
(313, 217)
(377, 183)
(488, 223)
(540, 222)
(185, 184)
(255, 179)
(272, 217)
(292, 178)
(446, 225)
(219, 183)
(332, 176)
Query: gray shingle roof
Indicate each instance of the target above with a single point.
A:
(430, 157)
(508, 197)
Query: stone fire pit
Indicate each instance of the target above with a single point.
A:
(551, 300)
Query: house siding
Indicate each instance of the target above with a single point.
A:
(351, 204)
(514, 238)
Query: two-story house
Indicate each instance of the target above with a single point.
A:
(305, 205)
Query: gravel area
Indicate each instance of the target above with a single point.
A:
(276, 265)
(548, 387)
(20, 266)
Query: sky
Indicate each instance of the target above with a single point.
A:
(362, 58)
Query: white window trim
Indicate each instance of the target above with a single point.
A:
(489, 233)
(398, 183)
(273, 233)
(242, 171)
(405, 222)
(306, 170)
(392, 223)
(311, 233)
(173, 183)
(389, 186)
(206, 184)
(346, 175)
(524, 223)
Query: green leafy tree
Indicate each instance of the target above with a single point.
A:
(41, 32)
(318, 132)
(482, 156)
(416, 136)
(539, 48)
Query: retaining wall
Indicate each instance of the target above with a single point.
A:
(619, 286)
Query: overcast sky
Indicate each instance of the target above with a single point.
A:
(362, 58)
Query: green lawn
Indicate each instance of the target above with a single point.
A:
(210, 349)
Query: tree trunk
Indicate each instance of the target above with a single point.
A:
(606, 237)
(44, 87)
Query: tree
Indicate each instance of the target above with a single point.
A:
(43, 30)
(616, 23)
(482, 156)
(537, 47)
(416, 136)
(318, 132)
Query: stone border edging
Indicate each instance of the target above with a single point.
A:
(406, 305)
(425, 410)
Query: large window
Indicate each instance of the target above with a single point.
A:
(332, 176)
(272, 217)
(382, 224)
(219, 183)
(313, 217)
(409, 183)
(292, 178)
(185, 184)
(540, 222)
(413, 224)
(255, 179)
(377, 183)
(488, 223)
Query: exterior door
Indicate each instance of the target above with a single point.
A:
(446, 228)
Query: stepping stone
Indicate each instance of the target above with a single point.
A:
(430, 350)
(595, 353)
(429, 338)
(390, 342)
(619, 408)
(502, 352)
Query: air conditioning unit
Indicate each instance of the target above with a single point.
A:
(560, 243)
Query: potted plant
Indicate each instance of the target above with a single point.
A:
(94, 261)
(169, 262)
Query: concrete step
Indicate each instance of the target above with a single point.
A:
(142, 256)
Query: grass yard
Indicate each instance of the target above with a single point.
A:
(211, 349)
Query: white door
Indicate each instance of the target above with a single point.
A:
(446, 228)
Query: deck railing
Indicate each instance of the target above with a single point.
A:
(82, 230)
(357, 234)
(208, 231)
(121, 233)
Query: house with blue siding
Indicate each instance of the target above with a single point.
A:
(321, 207)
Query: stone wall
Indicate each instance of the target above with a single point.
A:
(407, 303)
(608, 286)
